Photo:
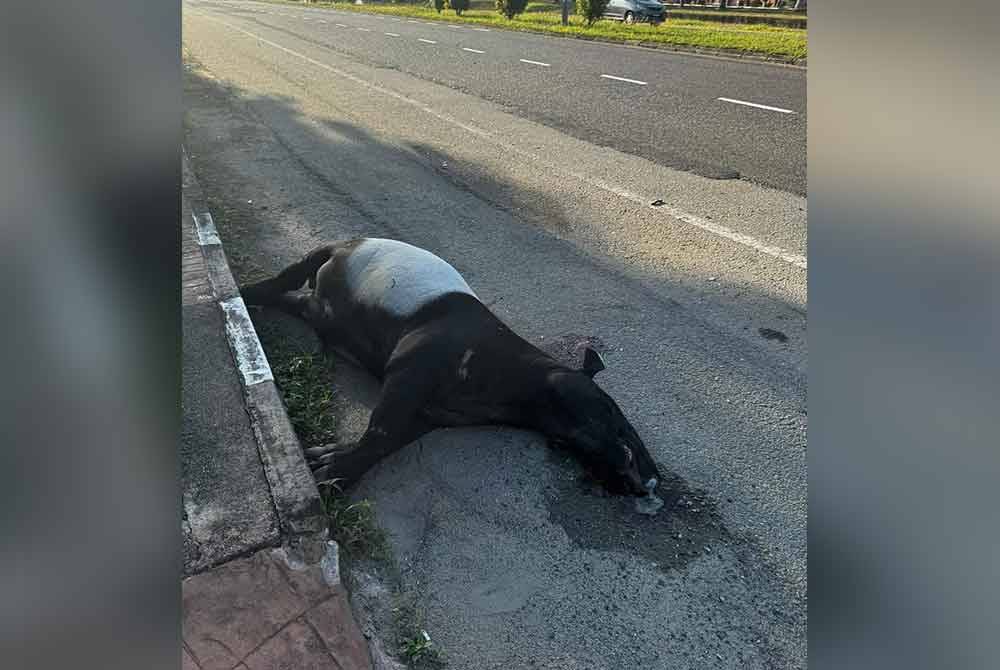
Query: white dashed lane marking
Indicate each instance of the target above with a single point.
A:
(393, 34)
(754, 104)
(475, 51)
(421, 39)
(630, 81)
(364, 30)
(534, 62)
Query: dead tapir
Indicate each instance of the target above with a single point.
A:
(444, 359)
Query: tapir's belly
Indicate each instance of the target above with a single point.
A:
(397, 278)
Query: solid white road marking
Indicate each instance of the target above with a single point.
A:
(475, 51)
(421, 39)
(393, 34)
(797, 260)
(411, 21)
(754, 104)
(482, 30)
(631, 81)
(534, 62)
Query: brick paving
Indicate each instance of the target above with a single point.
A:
(261, 614)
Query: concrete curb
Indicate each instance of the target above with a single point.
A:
(293, 490)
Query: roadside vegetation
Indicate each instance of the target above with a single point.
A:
(788, 44)
(741, 15)
(304, 378)
(353, 526)
(414, 643)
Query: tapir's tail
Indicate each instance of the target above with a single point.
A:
(292, 278)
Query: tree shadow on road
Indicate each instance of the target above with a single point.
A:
(279, 183)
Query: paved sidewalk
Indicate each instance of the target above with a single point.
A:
(262, 586)
(227, 504)
(258, 613)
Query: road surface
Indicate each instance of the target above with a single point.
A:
(688, 112)
(693, 287)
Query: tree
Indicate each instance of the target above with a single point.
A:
(459, 5)
(438, 5)
(511, 8)
(591, 10)
(722, 5)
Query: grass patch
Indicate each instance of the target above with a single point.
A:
(304, 379)
(790, 19)
(419, 648)
(766, 40)
(353, 526)
(414, 643)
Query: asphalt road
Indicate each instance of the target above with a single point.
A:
(659, 105)
(697, 301)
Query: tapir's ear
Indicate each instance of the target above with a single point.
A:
(592, 362)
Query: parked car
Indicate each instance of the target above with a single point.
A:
(636, 11)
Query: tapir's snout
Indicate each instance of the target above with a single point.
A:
(642, 476)
(636, 484)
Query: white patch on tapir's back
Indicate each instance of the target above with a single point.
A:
(398, 277)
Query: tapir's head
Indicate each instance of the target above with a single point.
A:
(583, 418)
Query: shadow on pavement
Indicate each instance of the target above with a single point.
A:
(706, 593)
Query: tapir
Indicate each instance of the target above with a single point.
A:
(444, 359)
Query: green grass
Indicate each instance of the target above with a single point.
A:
(415, 645)
(694, 12)
(353, 526)
(765, 40)
(304, 379)
(417, 648)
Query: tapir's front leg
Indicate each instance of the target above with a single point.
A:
(396, 421)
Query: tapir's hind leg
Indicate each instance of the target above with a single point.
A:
(304, 306)
(270, 291)
(396, 421)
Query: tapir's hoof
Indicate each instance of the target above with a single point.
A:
(324, 475)
(317, 462)
(319, 457)
(316, 452)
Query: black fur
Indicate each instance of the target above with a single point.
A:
(453, 363)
